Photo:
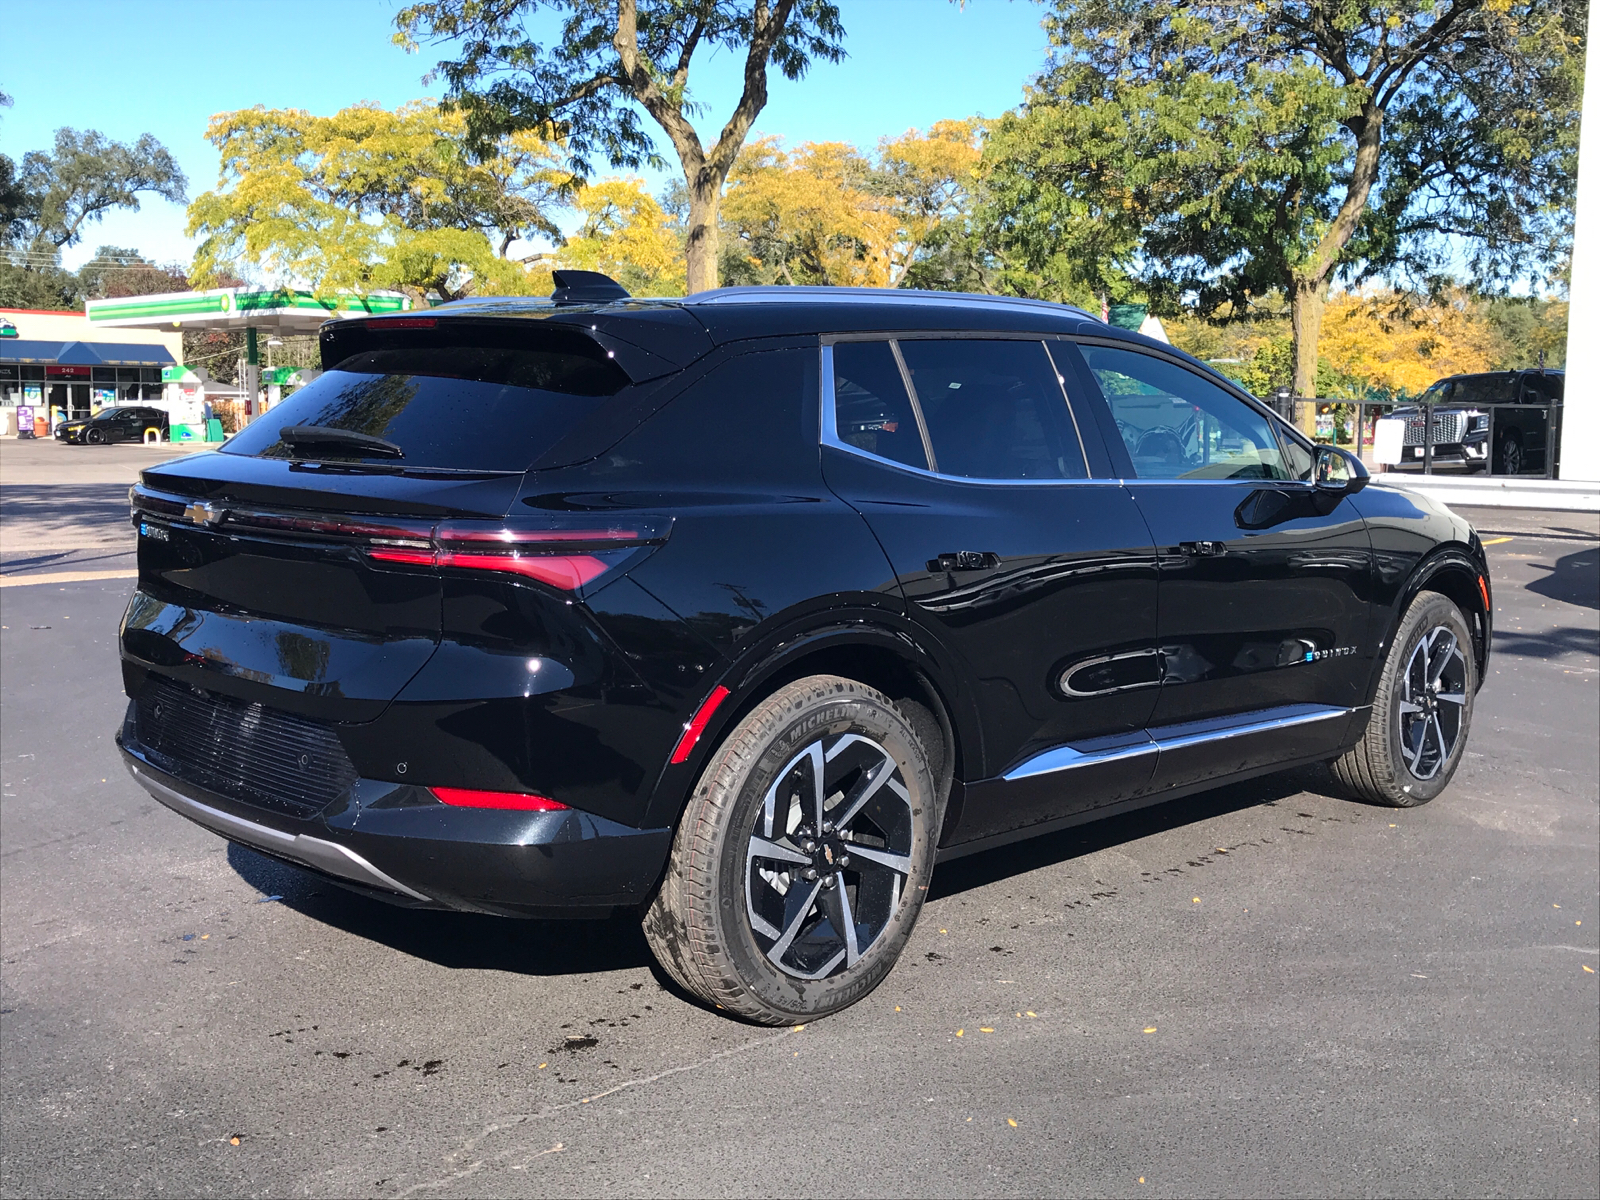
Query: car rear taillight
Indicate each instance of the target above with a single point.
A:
(474, 798)
(565, 554)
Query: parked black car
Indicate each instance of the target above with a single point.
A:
(1462, 425)
(125, 423)
(741, 612)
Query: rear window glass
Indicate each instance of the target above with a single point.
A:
(488, 405)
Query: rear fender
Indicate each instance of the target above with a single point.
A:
(875, 645)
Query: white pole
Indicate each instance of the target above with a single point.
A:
(1580, 417)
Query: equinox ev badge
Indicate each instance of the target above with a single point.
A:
(204, 514)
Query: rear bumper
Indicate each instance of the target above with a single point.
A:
(398, 843)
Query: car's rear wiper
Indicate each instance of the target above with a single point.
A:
(326, 437)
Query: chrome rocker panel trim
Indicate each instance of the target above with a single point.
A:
(317, 853)
(1177, 737)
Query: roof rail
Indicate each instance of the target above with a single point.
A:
(846, 295)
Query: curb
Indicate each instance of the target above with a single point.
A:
(1555, 495)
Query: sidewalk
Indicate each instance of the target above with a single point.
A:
(1489, 491)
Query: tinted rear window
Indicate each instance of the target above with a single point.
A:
(472, 399)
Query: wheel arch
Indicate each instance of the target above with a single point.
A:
(1454, 572)
(881, 656)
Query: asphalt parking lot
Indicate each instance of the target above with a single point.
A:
(1262, 990)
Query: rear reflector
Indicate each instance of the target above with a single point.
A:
(697, 724)
(472, 798)
(1483, 590)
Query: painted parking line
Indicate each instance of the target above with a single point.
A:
(65, 577)
(1495, 541)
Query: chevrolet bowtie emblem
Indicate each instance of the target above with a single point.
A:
(204, 514)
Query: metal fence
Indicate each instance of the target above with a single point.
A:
(1494, 439)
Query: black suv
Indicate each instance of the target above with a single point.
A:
(121, 424)
(1517, 430)
(741, 612)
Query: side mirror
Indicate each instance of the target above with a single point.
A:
(1338, 472)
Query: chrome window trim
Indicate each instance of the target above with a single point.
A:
(830, 424)
(1068, 758)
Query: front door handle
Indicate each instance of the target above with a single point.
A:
(965, 560)
(1203, 549)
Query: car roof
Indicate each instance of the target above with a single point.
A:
(736, 313)
(678, 330)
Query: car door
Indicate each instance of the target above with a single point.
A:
(1038, 580)
(1264, 585)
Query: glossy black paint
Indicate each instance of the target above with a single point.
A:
(1024, 617)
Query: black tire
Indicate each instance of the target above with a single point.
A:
(724, 924)
(1417, 732)
(94, 437)
(1511, 458)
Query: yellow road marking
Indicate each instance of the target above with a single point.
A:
(1495, 541)
(65, 577)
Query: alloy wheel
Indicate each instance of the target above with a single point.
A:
(1510, 457)
(827, 861)
(1433, 700)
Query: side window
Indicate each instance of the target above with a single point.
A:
(994, 409)
(871, 410)
(1178, 425)
(1297, 458)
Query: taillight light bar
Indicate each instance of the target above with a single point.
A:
(476, 798)
(565, 556)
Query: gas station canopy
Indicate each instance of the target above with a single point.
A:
(280, 310)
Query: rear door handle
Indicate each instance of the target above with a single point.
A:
(1203, 549)
(965, 560)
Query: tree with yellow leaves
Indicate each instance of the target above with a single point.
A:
(1400, 344)
(932, 179)
(825, 213)
(371, 199)
(625, 234)
(809, 216)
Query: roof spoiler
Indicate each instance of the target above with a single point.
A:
(586, 287)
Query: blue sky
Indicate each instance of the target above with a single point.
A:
(127, 67)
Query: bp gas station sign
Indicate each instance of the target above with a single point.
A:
(276, 310)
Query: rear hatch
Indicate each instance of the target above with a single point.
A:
(303, 565)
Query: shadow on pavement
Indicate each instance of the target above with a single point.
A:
(1553, 643)
(457, 940)
(58, 514)
(544, 947)
(991, 866)
(1575, 579)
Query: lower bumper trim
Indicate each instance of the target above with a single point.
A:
(317, 853)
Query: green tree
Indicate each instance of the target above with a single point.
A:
(610, 56)
(86, 176)
(119, 271)
(369, 198)
(55, 195)
(1223, 151)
